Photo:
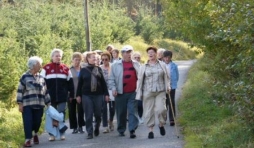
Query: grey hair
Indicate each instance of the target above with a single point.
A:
(33, 61)
(56, 50)
(161, 50)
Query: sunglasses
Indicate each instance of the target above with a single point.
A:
(104, 59)
(136, 57)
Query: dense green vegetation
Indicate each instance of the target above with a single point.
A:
(207, 122)
(224, 30)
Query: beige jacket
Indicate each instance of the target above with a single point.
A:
(141, 75)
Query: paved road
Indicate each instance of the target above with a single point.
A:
(112, 140)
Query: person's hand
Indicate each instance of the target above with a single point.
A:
(78, 99)
(169, 89)
(21, 108)
(70, 99)
(107, 98)
(114, 93)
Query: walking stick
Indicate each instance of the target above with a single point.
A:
(172, 109)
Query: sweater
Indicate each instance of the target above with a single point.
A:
(59, 82)
(84, 83)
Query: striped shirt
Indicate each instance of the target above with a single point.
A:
(32, 91)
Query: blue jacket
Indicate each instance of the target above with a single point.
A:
(174, 74)
(52, 113)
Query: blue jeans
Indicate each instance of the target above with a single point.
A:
(124, 102)
(31, 120)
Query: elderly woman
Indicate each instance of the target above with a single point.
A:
(32, 96)
(59, 83)
(136, 56)
(153, 84)
(115, 55)
(92, 88)
(105, 57)
(174, 77)
(160, 53)
(74, 107)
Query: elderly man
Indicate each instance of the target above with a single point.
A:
(32, 96)
(122, 81)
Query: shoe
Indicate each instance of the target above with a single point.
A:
(80, 130)
(89, 136)
(27, 144)
(111, 125)
(121, 134)
(75, 131)
(52, 138)
(150, 135)
(132, 134)
(172, 123)
(106, 130)
(162, 130)
(141, 121)
(62, 137)
(96, 132)
(36, 139)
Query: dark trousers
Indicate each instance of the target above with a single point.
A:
(104, 113)
(140, 108)
(31, 120)
(172, 97)
(92, 106)
(112, 110)
(126, 102)
(75, 108)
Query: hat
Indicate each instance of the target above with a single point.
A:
(127, 48)
(167, 53)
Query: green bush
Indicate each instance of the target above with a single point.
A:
(207, 121)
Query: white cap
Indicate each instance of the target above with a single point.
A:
(127, 48)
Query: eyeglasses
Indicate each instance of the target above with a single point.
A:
(104, 59)
(136, 57)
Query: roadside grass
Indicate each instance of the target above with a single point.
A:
(205, 122)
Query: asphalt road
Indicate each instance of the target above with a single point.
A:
(112, 140)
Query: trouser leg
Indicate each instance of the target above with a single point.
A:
(172, 97)
(72, 114)
(97, 103)
(37, 115)
(160, 107)
(132, 108)
(121, 112)
(81, 119)
(111, 110)
(89, 110)
(148, 106)
(105, 114)
(27, 121)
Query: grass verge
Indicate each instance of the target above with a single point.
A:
(205, 122)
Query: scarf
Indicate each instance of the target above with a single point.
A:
(95, 75)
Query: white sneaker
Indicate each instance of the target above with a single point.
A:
(141, 121)
(52, 138)
(62, 137)
(106, 130)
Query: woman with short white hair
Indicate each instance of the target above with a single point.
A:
(32, 96)
(59, 82)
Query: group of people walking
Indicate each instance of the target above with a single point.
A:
(98, 84)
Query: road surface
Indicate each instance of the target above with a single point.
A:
(112, 140)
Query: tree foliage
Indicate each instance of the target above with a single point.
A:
(224, 29)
